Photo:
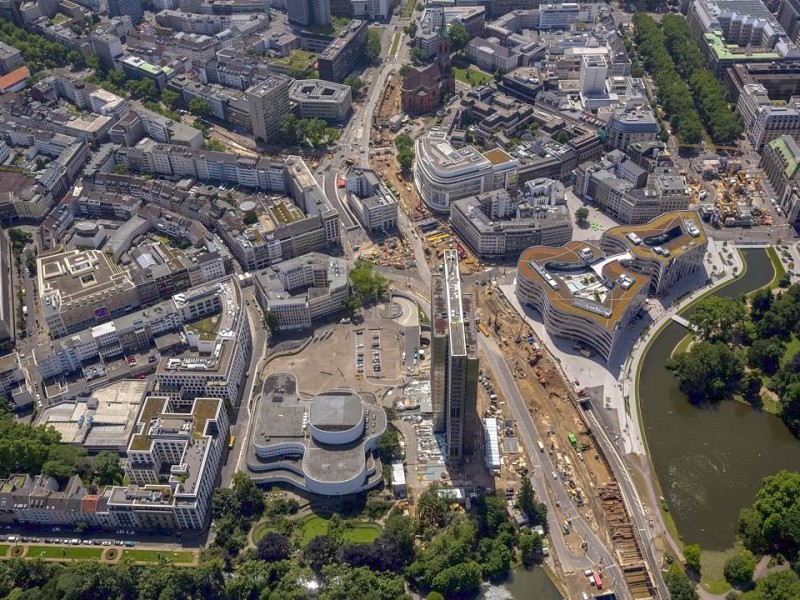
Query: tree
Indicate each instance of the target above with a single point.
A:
(562, 137)
(373, 50)
(250, 218)
(679, 586)
(766, 354)
(708, 371)
(76, 59)
(405, 151)
(355, 83)
(352, 305)
(417, 55)
(388, 446)
(498, 75)
(581, 214)
(773, 523)
(782, 585)
(494, 558)
(145, 88)
(718, 318)
(530, 547)
(750, 387)
(288, 129)
(368, 285)
(249, 498)
(199, 107)
(434, 596)
(214, 145)
(691, 555)
(273, 547)
(59, 471)
(170, 98)
(271, 322)
(411, 30)
(458, 36)
(106, 469)
(320, 551)
(458, 579)
(30, 262)
(433, 510)
(739, 568)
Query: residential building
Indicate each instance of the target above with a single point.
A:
(370, 200)
(302, 290)
(581, 293)
(318, 99)
(666, 250)
(337, 61)
(269, 102)
(497, 225)
(454, 361)
(424, 90)
(131, 8)
(186, 439)
(443, 174)
(323, 446)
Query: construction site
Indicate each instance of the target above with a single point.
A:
(553, 404)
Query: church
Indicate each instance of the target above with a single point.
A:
(424, 90)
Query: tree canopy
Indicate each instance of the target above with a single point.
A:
(373, 50)
(581, 214)
(773, 521)
(405, 151)
(708, 371)
(458, 36)
(366, 284)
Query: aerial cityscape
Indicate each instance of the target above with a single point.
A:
(408, 299)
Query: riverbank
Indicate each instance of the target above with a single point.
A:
(704, 471)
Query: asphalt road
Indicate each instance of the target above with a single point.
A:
(597, 555)
(240, 418)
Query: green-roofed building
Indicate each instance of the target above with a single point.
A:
(781, 164)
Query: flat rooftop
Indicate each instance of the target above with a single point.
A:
(104, 419)
(281, 417)
(575, 278)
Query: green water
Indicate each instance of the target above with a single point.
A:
(524, 584)
(710, 460)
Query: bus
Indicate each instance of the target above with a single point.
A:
(231, 442)
(482, 328)
(541, 446)
(597, 581)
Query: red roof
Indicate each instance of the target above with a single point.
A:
(13, 78)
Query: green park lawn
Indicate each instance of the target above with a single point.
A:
(395, 42)
(159, 555)
(319, 525)
(475, 76)
(409, 9)
(78, 552)
(780, 271)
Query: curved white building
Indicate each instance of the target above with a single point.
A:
(582, 294)
(323, 445)
(443, 174)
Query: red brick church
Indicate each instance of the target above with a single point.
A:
(424, 90)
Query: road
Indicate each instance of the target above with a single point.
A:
(240, 418)
(597, 555)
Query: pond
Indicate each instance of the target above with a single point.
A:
(710, 460)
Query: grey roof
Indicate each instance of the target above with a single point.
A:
(336, 410)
